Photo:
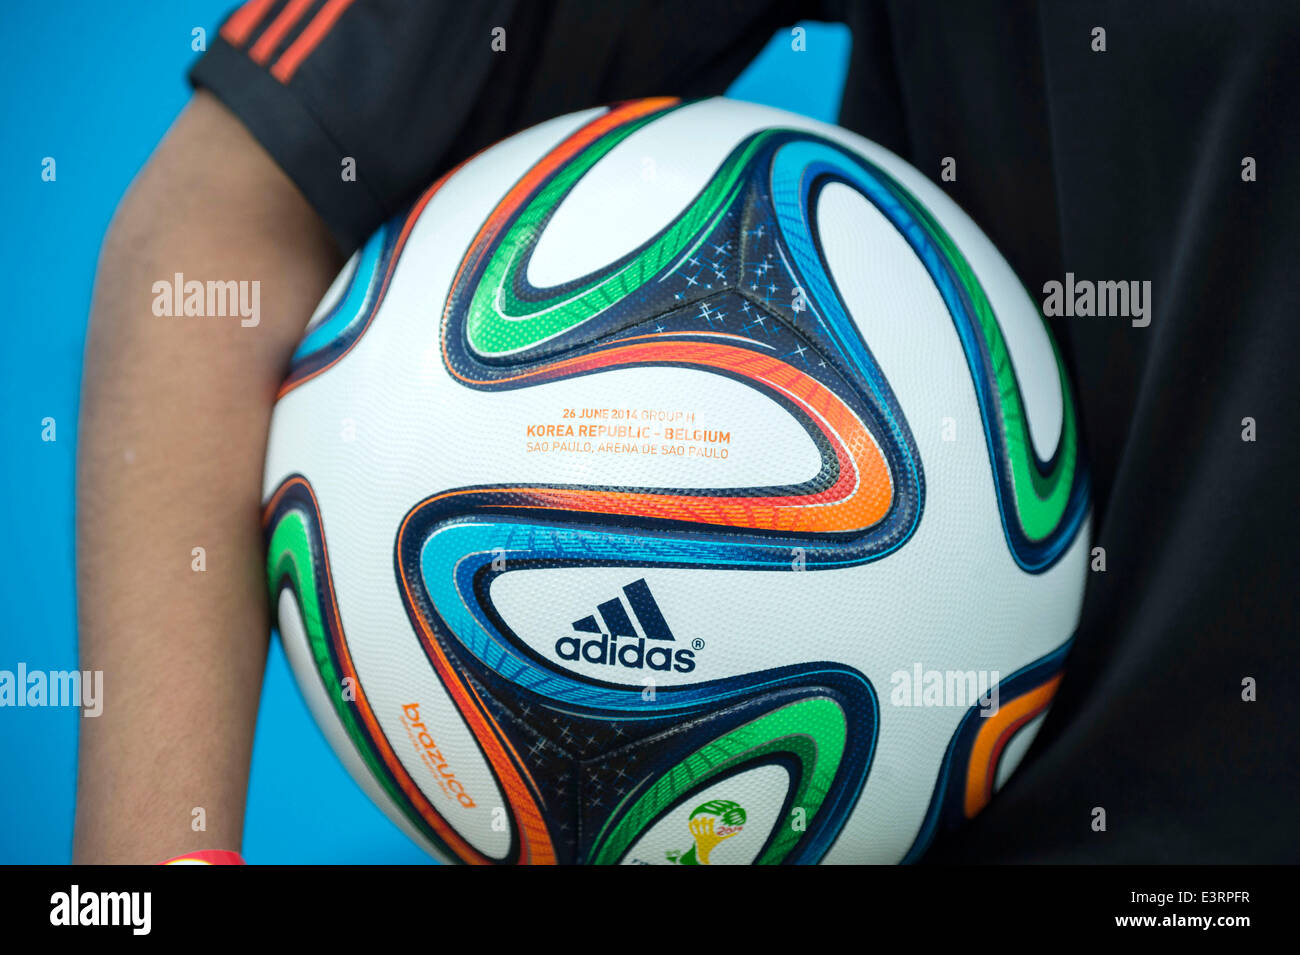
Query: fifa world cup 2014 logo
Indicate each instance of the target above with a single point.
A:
(710, 824)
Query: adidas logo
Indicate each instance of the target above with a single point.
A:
(632, 652)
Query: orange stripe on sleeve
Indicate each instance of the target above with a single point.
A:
(309, 39)
(244, 20)
(266, 44)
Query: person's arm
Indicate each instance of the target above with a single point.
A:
(174, 416)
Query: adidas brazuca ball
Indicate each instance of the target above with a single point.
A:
(677, 484)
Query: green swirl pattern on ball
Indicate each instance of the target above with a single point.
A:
(812, 730)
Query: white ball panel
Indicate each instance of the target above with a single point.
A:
(627, 198)
(293, 637)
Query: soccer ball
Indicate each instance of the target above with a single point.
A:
(677, 484)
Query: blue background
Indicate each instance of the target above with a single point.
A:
(95, 86)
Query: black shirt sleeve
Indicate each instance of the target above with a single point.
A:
(407, 88)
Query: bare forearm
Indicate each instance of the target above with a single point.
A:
(173, 427)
